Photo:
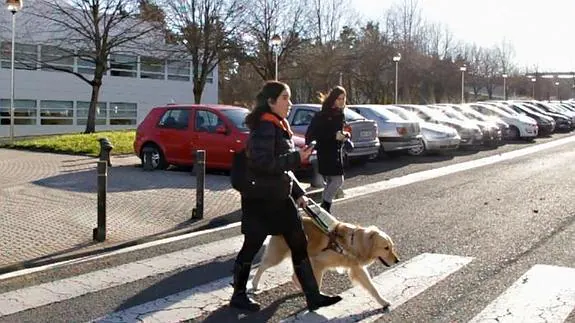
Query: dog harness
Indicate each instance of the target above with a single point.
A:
(333, 244)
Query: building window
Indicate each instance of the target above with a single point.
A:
(179, 70)
(56, 57)
(24, 112)
(82, 109)
(151, 68)
(123, 65)
(121, 113)
(25, 56)
(86, 63)
(209, 77)
(56, 112)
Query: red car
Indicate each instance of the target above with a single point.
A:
(175, 131)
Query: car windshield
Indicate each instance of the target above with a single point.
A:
(352, 115)
(407, 115)
(454, 114)
(385, 113)
(237, 117)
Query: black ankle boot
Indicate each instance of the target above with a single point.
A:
(326, 206)
(308, 283)
(240, 297)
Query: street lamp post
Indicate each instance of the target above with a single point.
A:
(396, 59)
(557, 86)
(13, 6)
(463, 69)
(533, 80)
(504, 86)
(276, 42)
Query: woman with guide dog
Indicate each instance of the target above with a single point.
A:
(267, 200)
(326, 128)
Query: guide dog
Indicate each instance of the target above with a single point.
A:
(347, 247)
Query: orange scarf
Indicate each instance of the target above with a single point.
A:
(280, 123)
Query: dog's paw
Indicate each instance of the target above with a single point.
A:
(385, 306)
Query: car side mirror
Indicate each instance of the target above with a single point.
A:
(221, 129)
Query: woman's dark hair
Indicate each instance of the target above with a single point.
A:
(329, 101)
(271, 90)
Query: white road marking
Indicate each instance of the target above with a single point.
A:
(355, 192)
(543, 294)
(195, 302)
(396, 285)
(64, 289)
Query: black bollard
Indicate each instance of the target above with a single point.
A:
(99, 233)
(147, 155)
(105, 149)
(200, 170)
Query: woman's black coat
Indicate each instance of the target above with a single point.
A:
(266, 206)
(323, 128)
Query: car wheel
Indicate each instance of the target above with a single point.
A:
(158, 159)
(514, 133)
(419, 150)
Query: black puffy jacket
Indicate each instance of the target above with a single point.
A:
(271, 154)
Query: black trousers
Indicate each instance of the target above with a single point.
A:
(295, 239)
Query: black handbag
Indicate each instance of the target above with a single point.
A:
(238, 172)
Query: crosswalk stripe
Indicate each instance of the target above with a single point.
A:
(197, 301)
(64, 289)
(543, 294)
(396, 285)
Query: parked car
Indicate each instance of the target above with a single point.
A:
(395, 133)
(562, 122)
(521, 126)
(435, 137)
(364, 132)
(174, 132)
(474, 115)
(492, 135)
(470, 133)
(545, 123)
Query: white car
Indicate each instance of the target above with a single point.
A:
(520, 126)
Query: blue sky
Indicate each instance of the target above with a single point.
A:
(541, 32)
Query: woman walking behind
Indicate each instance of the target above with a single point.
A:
(326, 128)
(267, 205)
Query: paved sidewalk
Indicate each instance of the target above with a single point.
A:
(48, 203)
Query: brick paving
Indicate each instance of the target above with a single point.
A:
(48, 202)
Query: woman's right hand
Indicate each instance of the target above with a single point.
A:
(305, 152)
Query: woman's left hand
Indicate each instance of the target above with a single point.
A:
(302, 201)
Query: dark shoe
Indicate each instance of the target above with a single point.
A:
(326, 206)
(308, 283)
(240, 297)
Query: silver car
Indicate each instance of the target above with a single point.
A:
(435, 137)
(470, 133)
(363, 131)
(395, 133)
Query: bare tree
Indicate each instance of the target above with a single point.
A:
(267, 18)
(209, 30)
(89, 30)
(505, 54)
(489, 70)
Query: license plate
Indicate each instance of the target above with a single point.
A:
(364, 134)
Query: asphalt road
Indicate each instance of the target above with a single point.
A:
(507, 216)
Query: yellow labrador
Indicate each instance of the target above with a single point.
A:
(354, 249)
